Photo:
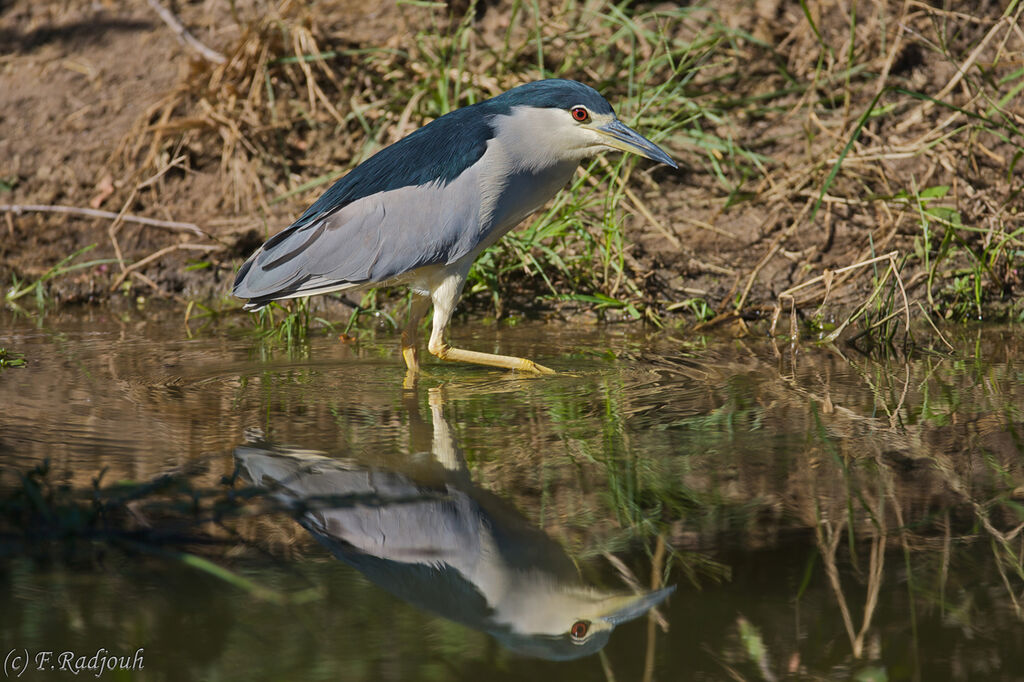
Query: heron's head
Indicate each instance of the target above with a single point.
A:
(563, 119)
(561, 622)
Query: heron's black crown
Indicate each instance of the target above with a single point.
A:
(554, 93)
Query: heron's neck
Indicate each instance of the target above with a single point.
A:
(511, 188)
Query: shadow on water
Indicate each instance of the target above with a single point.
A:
(821, 514)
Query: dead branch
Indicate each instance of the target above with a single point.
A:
(184, 36)
(110, 215)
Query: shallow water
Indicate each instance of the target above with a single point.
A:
(821, 514)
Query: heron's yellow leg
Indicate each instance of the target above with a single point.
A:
(446, 352)
(444, 296)
(410, 335)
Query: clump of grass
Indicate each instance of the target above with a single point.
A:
(290, 325)
(286, 324)
(880, 314)
(19, 288)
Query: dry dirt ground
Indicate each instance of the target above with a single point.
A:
(85, 122)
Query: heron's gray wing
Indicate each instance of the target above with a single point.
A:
(436, 155)
(373, 239)
(438, 152)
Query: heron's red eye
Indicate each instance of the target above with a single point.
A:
(580, 114)
(579, 629)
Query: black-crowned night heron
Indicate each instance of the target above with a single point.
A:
(420, 211)
(431, 537)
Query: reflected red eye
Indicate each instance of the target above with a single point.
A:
(579, 629)
(580, 114)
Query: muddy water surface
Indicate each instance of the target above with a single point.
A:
(820, 514)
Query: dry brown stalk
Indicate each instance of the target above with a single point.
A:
(893, 271)
(918, 114)
(115, 227)
(183, 34)
(828, 282)
(654, 616)
(828, 539)
(173, 225)
(630, 579)
(134, 267)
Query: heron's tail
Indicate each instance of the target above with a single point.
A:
(237, 289)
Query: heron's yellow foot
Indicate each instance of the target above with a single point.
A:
(533, 367)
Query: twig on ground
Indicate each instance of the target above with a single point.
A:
(159, 254)
(110, 215)
(184, 36)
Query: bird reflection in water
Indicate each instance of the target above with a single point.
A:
(436, 540)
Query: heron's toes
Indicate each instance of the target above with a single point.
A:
(534, 368)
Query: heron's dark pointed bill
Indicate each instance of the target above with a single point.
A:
(633, 606)
(621, 136)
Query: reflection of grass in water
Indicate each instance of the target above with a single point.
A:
(874, 514)
(866, 514)
(640, 492)
(11, 359)
(43, 518)
(875, 486)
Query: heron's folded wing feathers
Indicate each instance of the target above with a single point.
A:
(374, 239)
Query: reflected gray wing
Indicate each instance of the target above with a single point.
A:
(377, 512)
